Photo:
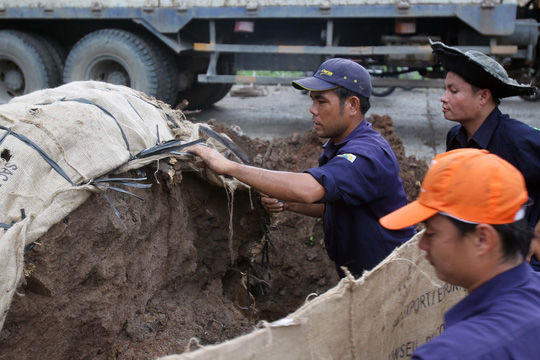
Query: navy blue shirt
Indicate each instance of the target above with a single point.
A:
(360, 175)
(514, 141)
(499, 320)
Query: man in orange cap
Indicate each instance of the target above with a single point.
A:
(475, 83)
(472, 205)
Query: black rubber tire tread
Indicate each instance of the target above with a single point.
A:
(383, 92)
(137, 56)
(29, 57)
(200, 95)
(169, 74)
(44, 51)
(534, 97)
(57, 52)
(204, 95)
(534, 81)
(221, 94)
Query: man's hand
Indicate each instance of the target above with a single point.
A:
(212, 158)
(272, 205)
(535, 243)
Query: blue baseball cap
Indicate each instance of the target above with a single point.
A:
(338, 72)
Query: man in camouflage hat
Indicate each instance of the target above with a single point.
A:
(474, 85)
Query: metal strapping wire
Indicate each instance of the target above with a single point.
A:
(133, 108)
(181, 153)
(122, 181)
(51, 102)
(118, 189)
(5, 135)
(5, 226)
(170, 119)
(43, 154)
(125, 181)
(166, 147)
(117, 213)
(86, 101)
(159, 108)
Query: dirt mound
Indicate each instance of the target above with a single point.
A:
(302, 266)
(101, 288)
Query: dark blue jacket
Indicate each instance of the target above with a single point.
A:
(500, 320)
(514, 141)
(360, 175)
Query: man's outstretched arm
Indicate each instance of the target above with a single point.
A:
(287, 186)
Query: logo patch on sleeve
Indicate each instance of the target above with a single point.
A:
(349, 157)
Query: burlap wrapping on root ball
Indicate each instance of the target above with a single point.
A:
(55, 143)
(385, 314)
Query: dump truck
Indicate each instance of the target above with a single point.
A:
(193, 51)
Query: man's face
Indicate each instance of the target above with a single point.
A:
(447, 250)
(328, 116)
(459, 101)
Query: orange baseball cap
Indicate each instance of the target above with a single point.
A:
(471, 185)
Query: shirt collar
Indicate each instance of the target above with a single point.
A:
(480, 297)
(482, 136)
(331, 147)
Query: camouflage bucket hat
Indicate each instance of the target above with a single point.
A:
(480, 70)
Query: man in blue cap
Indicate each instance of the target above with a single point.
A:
(357, 180)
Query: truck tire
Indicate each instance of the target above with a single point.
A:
(222, 92)
(534, 97)
(534, 81)
(57, 52)
(169, 78)
(380, 92)
(169, 74)
(25, 65)
(115, 56)
(204, 95)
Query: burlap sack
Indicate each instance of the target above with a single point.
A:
(386, 314)
(55, 143)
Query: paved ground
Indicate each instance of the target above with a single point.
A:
(416, 113)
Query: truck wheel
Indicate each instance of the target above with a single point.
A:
(221, 94)
(204, 95)
(25, 65)
(534, 97)
(57, 52)
(169, 74)
(115, 56)
(380, 92)
(535, 81)
(169, 79)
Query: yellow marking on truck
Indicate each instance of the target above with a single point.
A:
(288, 49)
(504, 49)
(204, 47)
(242, 79)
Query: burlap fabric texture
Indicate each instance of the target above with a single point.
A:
(57, 146)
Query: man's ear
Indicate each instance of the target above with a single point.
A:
(487, 239)
(354, 103)
(485, 96)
